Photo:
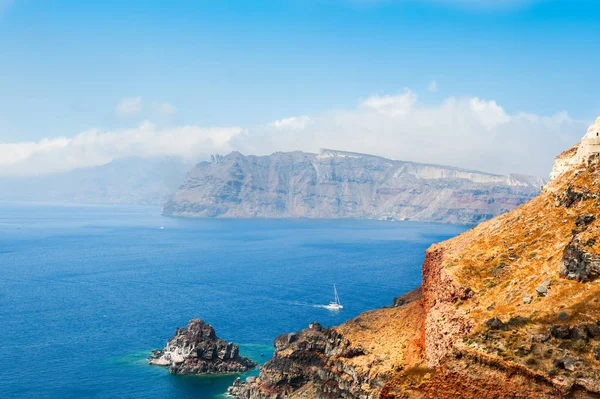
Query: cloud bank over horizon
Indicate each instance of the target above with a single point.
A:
(466, 132)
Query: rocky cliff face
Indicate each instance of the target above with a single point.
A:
(509, 309)
(336, 184)
(196, 349)
(355, 360)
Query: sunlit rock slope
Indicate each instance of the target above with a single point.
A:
(509, 309)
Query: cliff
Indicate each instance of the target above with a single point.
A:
(196, 349)
(336, 184)
(509, 309)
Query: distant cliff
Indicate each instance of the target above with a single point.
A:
(337, 184)
(141, 181)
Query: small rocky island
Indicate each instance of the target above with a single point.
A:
(196, 349)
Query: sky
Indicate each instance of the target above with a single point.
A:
(501, 86)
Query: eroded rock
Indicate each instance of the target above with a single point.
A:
(593, 330)
(571, 196)
(579, 332)
(584, 220)
(495, 324)
(541, 291)
(578, 263)
(560, 331)
(196, 349)
(310, 358)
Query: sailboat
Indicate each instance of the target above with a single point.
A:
(335, 305)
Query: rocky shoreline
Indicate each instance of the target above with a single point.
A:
(509, 309)
(196, 349)
(305, 357)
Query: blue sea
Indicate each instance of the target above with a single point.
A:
(86, 292)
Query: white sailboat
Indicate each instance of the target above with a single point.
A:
(335, 305)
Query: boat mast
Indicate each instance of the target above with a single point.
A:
(337, 298)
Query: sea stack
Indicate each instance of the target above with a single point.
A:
(196, 349)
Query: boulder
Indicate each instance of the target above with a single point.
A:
(566, 363)
(495, 324)
(569, 364)
(579, 332)
(593, 330)
(578, 263)
(560, 331)
(562, 316)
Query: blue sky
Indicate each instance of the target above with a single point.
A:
(66, 65)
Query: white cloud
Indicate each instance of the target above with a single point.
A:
(489, 113)
(129, 106)
(468, 132)
(293, 123)
(392, 105)
(97, 147)
(164, 109)
(432, 86)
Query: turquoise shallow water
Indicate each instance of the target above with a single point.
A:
(87, 291)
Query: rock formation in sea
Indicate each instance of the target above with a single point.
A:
(196, 349)
(337, 184)
(509, 309)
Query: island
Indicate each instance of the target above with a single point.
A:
(344, 185)
(196, 349)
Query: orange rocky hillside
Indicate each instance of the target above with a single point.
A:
(509, 309)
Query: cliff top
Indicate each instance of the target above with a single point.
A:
(325, 153)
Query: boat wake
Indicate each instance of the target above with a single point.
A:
(312, 305)
(333, 306)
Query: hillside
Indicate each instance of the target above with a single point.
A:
(336, 184)
(509, 309)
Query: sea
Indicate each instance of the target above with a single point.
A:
(86, 292)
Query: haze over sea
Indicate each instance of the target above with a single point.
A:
(86, 292)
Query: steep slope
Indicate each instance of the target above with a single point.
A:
(123, 181)
(336, 184)
(509, 309)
